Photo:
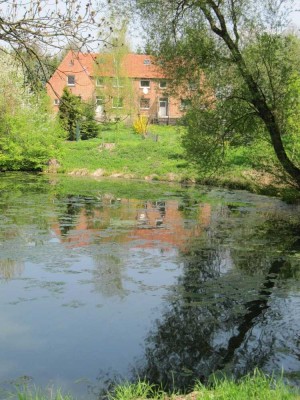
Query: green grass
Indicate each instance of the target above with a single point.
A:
(132, 156)
(256, 386)
(164, 160)
(252, 387)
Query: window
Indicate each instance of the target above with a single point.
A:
(118, 82)
(145, 83)
(147, 61)
(99, 101)
(56, 102)
(145, 104)
(185, 103)
(71, 63)
(117, 102)
(71, 80)
(99, 81)
(163, 84)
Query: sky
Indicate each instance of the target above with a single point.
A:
(295, 16)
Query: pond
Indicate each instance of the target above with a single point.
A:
(102, 281)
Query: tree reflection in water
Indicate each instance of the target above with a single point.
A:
(10, 269)
(222, 315)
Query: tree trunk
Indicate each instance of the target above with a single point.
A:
(258, 99)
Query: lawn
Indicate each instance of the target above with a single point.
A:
(120, 152)
(131, 155)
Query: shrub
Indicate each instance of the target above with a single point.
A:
(140, 125)
(29, 135)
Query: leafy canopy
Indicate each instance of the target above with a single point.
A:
(244, 64)
(29, 136)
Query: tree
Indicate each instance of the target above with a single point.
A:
(246, 59)
(69, 113)
(77, 117)
(29, 137)
(89, 126)
(115, 88)
(31, 29)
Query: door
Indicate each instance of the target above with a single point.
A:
(163, 108)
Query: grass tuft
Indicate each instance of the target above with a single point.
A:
(257, 386)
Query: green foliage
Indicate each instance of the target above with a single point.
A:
(69, 113)
(116, 90)
(29, 136)
(89, 127)
(247, 90)
(131, 155)
(257, 386)
(75, 115)
(35, 394)
(133, 391)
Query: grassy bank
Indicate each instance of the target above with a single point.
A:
(119, 152)
(255, 387)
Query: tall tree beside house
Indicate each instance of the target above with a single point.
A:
(248, 60)
(69, 113)
(76, 117)
(114, 90)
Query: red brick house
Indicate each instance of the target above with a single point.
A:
(135, 86)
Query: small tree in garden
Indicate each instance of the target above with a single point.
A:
(74, 114)
(69, 113)
(89, 128)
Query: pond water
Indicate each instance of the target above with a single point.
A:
(108, 280)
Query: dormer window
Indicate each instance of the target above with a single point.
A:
(147, 61)
(71, 80)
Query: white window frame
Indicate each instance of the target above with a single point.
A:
(144, 86)
(118, 82)
(147, 61)
(144, 108)
(119, 99)
(71, 76)
(99, 101)
(56, 102)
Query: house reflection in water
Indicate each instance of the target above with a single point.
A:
(126, 220)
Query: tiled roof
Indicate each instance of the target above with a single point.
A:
(131, 65)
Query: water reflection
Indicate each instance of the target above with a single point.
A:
(224, 313)
(108, 275)
(179, 282)
(10, 269)
(84, 221)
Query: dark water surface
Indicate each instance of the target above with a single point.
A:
(104, 280)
